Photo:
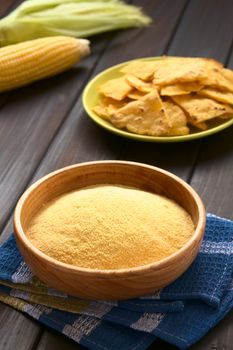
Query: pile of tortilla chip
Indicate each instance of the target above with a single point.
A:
(167, 97)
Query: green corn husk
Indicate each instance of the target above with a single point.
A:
(40, 18)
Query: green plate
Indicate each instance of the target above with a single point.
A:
(91, 99)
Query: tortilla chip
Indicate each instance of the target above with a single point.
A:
(110, 101)
(220, 79)
(202, 126)
(177, 119)
(192, 71)
(139, 84)
(102, 111)
(108, 107)
(208, 62)
(226, 116)
(179, 131)
(145, 69)
(146, 116)
(221, 96)
(201, 109)
(180, 89)
(141, 69)
(117, 89)
(184, 70)
(136, 95)
(228, 76)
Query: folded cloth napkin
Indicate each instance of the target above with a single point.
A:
(180, 314)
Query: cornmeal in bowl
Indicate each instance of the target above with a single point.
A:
(110, 227)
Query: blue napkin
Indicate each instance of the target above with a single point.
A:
(180, 314)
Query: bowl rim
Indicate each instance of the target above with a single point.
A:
(119, 273)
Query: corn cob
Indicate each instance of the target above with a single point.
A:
(24, 63)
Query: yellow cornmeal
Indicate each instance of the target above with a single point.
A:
(110, 227)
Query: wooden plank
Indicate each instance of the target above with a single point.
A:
(7, 6)
(219, 338)
(213, 177)
(51, 340)
(205, 30)
(17, 331)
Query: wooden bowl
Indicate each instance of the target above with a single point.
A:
(108, 284)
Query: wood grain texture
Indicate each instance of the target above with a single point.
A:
(51, 340)
(213, 175)
(17, 331)
(7, 6)
(205, 29)
(219, 338)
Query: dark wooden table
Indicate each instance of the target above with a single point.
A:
(43, 127)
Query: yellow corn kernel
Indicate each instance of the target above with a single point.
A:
(24, 63)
